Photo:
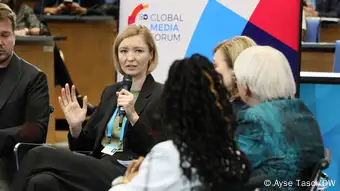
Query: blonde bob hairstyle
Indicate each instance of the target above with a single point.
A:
(231, 49)
(133, 30)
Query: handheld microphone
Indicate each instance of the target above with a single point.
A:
(126, 84)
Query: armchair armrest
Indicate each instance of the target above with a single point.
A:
(21, 149)
(326, 161)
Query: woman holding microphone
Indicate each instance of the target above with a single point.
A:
(135, 54)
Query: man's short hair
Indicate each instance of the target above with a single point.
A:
(7, 13)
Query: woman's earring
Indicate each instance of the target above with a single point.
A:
(233, 77)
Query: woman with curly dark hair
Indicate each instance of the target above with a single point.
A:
(200, 149)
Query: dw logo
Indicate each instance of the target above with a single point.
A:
(132, 17)
(143, 17)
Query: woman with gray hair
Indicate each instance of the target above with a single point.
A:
(278, 133)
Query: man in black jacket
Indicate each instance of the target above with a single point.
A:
(24, 97)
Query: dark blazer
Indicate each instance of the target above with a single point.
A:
(138, 139)
(24, 105)
(328, 8)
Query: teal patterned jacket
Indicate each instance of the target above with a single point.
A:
(281, 138)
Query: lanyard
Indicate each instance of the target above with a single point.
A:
(110, 126)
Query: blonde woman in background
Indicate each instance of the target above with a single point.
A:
(225, 55)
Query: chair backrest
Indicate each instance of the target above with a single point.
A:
(336, 64)
(313, 30)
(321, 165)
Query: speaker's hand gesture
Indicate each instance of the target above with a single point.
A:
(74, 114)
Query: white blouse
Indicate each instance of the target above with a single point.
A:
(159, 171)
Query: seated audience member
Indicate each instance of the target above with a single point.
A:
(225, 55)
(27, 23)
(80, 7)
(24, 97)
(323, 8)
(135, 54)
(278, 133)
(200, 149)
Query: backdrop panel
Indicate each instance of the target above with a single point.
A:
(182, 28)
